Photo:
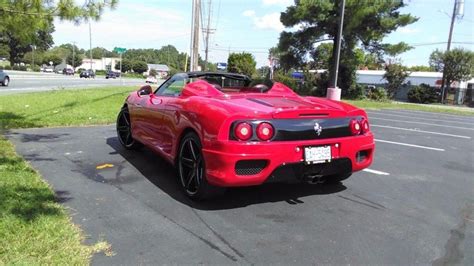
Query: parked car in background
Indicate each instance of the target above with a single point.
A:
(225, 130)
(68, 71)
(112, 75)
(48, 69)
(87, 74)
(151, 80)
(4, 78)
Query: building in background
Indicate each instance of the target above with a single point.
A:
(161, 70)
(105, 63)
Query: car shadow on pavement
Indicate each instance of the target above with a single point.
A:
(163, 175)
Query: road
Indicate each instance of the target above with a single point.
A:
(21, 83)
(413, 206)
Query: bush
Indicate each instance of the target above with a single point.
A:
(322, 84)
(422, 94)
(20, 68)
(35, 68)
(80, 70)
(100, 72)
(356, 93)
(377, 94)
(285, 79)
(7, 67)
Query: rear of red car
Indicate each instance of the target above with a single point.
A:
(289, 139)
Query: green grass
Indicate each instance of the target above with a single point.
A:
(34, 228)
(366, 104)
(62, 107)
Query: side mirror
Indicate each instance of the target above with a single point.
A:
(145, 90)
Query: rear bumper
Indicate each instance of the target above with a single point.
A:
(224, 159)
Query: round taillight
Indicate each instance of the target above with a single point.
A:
(265, 131)
(355, 127)
(365, 126)
(243, 131)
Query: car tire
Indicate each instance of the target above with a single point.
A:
(335, 179)
(124, 130)
(191, 169)
(6, 81)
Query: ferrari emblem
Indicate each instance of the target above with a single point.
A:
(318, 128)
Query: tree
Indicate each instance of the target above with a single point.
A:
(322, 56)
(458, 65)
(127, 65)
(100, 52)
(153, 72)
(25, 23)
(139, 67)
(436, 60)
(395, 75)
(38, 57)
(367, 23)
(77, 59)
(79, 54)
(167, 55)
(242, 63)
(421, 68)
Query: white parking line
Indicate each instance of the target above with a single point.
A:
(423, 131)
(428, 114)
(421, 118)
(375, 172)
(409, 145)
(419, 123)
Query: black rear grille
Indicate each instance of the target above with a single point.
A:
(250, 167)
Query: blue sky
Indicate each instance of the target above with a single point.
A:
(250, 25)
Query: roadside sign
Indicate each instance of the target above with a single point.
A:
(120, 50)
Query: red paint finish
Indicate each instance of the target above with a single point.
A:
(159, 122)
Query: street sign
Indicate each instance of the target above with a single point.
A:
(120, 50)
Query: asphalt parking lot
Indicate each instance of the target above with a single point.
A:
(415, 205)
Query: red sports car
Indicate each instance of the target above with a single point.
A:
(222, 130)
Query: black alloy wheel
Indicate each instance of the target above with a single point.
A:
(124, 130)
(191, 170)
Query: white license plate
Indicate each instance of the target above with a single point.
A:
(319, 154)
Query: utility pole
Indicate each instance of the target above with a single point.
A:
(121, 81)
(90, 43)
(73, 57)
(208, 31)
(450, 36)
(333, 92)
(195, 40)
(191, 40)
(33, 56)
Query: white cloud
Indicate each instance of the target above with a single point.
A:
(249, 13)
(278, 2)
(269, 21)
(131, 26)
(408, 30)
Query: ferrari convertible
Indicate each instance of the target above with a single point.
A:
(222, 130)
